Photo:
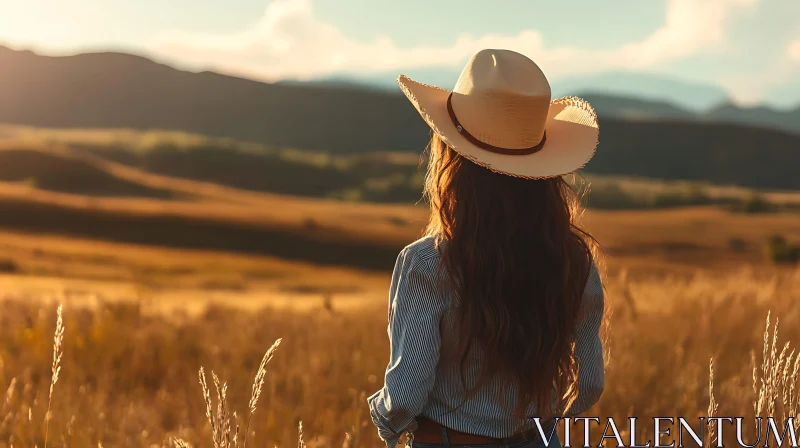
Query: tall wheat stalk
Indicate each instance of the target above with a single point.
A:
(223, 422)
(209, 407)
(772, 379)
(712, 405)
(58, 351)
(222, 432)
(258, 384)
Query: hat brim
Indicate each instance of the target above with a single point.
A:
(572, 133)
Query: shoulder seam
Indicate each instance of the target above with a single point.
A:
(423, 248)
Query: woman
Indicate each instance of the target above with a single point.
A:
(494, 315)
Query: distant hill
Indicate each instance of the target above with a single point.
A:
(691, 95)
(112, 90)
(614, 94)
(641, 109)
(720, 153)
(694, 96)
(759, 116)
(635, 108)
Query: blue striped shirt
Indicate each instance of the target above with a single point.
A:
(420, 329)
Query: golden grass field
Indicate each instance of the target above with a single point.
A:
(129, 369)
(141, 319)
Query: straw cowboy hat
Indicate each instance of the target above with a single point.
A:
(499, 115)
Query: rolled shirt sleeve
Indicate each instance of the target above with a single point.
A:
(415, 312)
(589, 346)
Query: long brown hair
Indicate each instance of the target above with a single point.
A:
(518, 263)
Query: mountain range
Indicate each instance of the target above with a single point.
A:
(641, 137)
(618, 94)
(695, 96)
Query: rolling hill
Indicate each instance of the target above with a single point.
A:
(125, 163)
(183, 213)
(190, 214)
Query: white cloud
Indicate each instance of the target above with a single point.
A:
(750, 88)
(289, 42)
(691, 27)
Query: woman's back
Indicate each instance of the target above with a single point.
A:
(423, 331)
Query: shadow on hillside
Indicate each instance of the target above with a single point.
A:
(310, 244)
(373, 177)
(63, 174)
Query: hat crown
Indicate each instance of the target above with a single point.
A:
(502, 98)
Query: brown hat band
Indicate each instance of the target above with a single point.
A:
(486, 146)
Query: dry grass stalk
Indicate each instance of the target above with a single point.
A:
(222, 425)
(712, 405)
(223, 422)
(180, 443)
(300, 442)
(258, 385)
(785, 379)
(775, 382)
(58, 351)
(209, 406)
(760, 382)
(258, 382)
(10, 391)
(793, 400)
(236, 434)
(768, 381)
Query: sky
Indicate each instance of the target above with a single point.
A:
(751, 48)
